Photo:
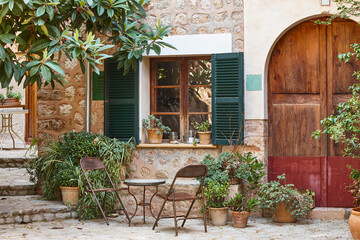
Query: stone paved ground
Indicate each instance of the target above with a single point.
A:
(259, 228)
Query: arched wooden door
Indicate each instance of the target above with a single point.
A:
(306, 81)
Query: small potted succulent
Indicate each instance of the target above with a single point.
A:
(240, 209)
(13, 98)
(204, 131)
(155, 129)
(69, 179)
(215, 194)
(284, 200)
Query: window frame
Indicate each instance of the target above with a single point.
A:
(183, 86)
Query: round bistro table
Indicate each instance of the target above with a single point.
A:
(143, 183)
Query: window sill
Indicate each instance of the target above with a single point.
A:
(180, 145)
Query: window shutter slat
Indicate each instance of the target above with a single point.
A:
(98, 86)
(227, 98)
(121, 102)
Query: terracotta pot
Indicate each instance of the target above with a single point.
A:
(239, 219)
(283, 214)
(153, 135)
(312, 206)
(218, 216)
(354, 223)
(205, 137)
(11, 102)
(70, 195)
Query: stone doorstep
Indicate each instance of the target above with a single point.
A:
(14, 162)
(25, 209)
(329, 213)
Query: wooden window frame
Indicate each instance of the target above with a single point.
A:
(184, 89)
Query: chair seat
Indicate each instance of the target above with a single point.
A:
(179, 196)
(106, 190)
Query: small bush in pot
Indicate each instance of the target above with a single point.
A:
(204, 131)
(240, 209)
(284, 200)
(215, 195)
(155, 129)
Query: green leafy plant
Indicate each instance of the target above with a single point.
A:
(215, 194)
(273, 193)
(44, 31)
(239, 203)
(11, 94)
(246, 168)
(202, 127)
(59, 164)
(153, 123)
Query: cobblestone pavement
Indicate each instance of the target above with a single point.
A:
(258, 228)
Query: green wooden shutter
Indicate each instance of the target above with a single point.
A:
(227, 98)
(121, 102)
(98, 86)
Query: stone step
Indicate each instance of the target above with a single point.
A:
(10, 162)
(25, 209)
(329, 213)
(15, 182)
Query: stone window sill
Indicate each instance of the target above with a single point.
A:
(180, 145)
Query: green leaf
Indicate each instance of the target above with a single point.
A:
(34, 70)
(46, 73)
(56, 67)
(2, 53)
(45, 30)
(7, 38)
(39, 45)
(11, 5)
(40, 11)
(32, 64)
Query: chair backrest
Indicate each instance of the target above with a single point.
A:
(91, 163)
(192, 171)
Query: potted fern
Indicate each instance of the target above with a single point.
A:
(215, 194)
(155, 129)
(12, 98)
(240, 209)
(285, 202)
(204, 131)
(69, 179)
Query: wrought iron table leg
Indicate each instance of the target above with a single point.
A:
(136, 203)
(157, 188)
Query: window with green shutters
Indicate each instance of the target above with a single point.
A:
(121, 102)
(227, 98)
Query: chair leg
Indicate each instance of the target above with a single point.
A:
(174, 209)
(123, 207)
(101, 210)
(158, 217)
(188, 212)
(204, 209)
(104, 201)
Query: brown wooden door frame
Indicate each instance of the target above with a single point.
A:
(31, 117)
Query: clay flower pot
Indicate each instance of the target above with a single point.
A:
(153, 135)
(11, 102)
(218, 216)
(354, 223)
(283, 214)
(70, 195)
(239, 219)
(205, 137)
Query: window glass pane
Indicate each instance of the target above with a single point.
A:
(198, 118)
(200, 99)
(199, 72)
(168, 100)
(168, 73)
(171, 121)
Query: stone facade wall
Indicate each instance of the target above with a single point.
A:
(62, 110)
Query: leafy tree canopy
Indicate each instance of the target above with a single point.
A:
(43, 30)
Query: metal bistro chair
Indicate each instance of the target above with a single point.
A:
(91, 164)
(190, 171)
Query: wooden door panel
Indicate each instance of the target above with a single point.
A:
(295, 61)
(291, 132)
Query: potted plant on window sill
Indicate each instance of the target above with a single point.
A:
(284, 200)
(69, 178)
(155, 129)
(13, 99)
(204, 130)
(215, 194)
(240, 209)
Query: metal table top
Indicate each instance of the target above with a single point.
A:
(144, 182)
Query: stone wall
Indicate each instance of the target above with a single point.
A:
(62, 110)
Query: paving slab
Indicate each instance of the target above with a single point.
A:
(259, 228)
(15, 181)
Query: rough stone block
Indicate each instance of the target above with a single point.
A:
(49, 216)
(178, 31)
(162, 4)
(37, 218)
(51, 95)
(64, 215)
(181, 18)
(200, 18)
